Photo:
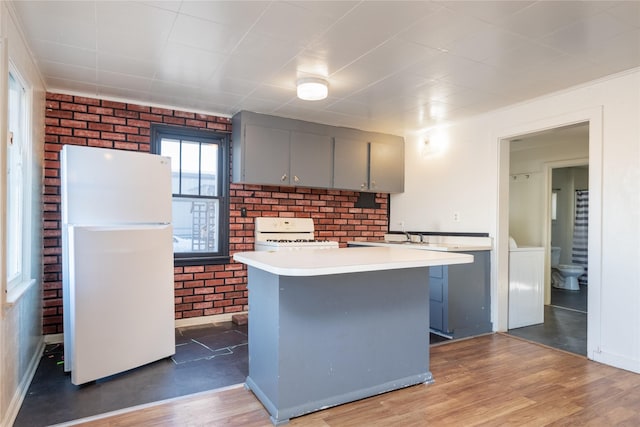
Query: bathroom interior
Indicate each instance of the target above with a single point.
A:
(548, 225)
(569, 270)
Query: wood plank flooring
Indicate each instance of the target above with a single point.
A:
(485, 381)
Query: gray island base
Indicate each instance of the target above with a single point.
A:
(317, 341)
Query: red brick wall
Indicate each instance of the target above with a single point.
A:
(199, 290)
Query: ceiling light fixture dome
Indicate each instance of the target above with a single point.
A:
(312, 88)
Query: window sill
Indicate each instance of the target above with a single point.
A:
(16, 292)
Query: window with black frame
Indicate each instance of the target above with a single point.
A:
(200, 187)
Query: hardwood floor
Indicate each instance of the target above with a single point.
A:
(490, 380)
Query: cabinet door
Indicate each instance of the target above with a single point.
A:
(469, 294)
(266, 155)
(435, 316)
(386, 168)
(310, 160)
(437, 289)
(350, 168)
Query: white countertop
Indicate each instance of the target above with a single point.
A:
(319, 262)
(440, 247)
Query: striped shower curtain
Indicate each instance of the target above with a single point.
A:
(581, 233)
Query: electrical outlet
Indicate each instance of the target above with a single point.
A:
(456, 216)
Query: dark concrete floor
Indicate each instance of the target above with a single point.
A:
(207, 357)
(565, 322)
(574, 300)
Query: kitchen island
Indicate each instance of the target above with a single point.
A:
(330, 326)
(460, 295)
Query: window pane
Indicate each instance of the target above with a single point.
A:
(195, 223)
(209, 170)
(190, 164)
(15, 180)
(171, 148)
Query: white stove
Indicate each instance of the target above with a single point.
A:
(276, 234)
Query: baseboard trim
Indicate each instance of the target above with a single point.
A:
(204, 320)
(54, 339)
(617, 361)
(23, 387)
(180, 323)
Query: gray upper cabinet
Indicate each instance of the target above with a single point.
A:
(375, 164)
(350, 164)
(386, 166)
(310, 160)
(274, 150)
(284, 157)
(267, 161)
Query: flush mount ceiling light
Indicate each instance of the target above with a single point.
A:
(312, 88)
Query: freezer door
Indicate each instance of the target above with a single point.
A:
(121, 299)
(101, 186)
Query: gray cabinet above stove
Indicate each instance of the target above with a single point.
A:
(284, 157)
(272, 150)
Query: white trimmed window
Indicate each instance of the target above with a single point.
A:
(18, 186)
(200, 187)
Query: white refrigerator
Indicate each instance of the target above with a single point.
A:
(117, 245)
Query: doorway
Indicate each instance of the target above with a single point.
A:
(591, 119)
(545, 169)
(568, 235)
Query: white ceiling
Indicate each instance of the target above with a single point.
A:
(392, 66)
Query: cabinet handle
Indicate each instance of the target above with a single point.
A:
(295, 178)
(373, 184)
(283, 178)
(363, 185)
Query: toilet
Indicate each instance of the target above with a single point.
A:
(564, 276)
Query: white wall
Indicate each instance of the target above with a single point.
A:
(455, 173)
(526, 208)
(528, 186)
(21, 322)
(470, 175)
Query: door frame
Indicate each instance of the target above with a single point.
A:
(500, 290)
(548, 174)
